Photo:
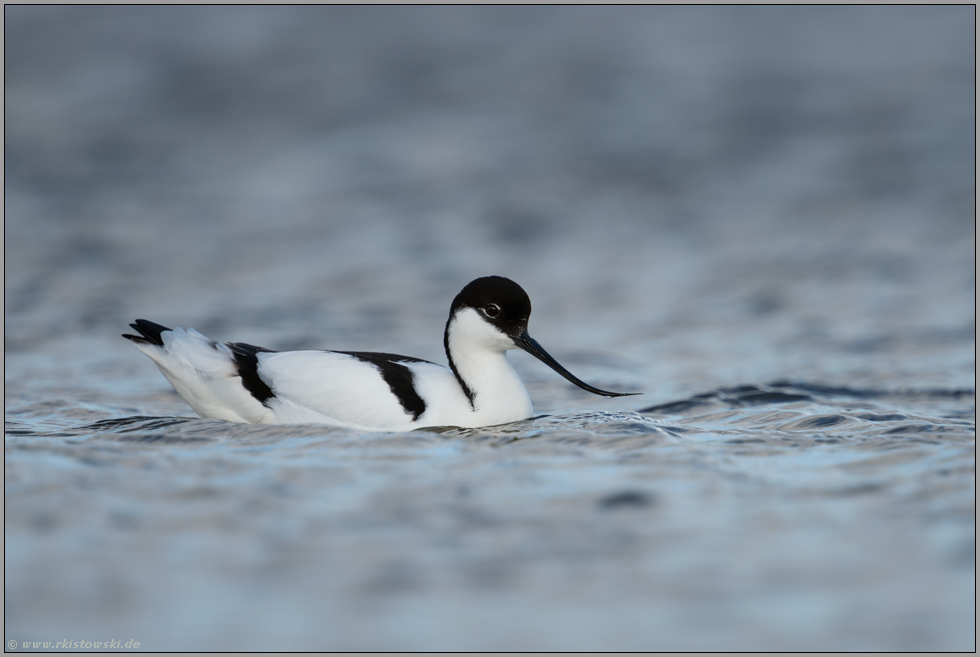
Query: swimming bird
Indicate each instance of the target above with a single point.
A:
(369, 391)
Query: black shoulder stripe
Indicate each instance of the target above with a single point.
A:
(398, 377)
(370, 356)
(247, 359)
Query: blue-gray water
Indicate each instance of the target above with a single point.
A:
(762, 218)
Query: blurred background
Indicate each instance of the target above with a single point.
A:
(693, 197)
(666, 178)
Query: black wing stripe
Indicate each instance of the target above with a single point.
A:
(247, 359)
(398, 377)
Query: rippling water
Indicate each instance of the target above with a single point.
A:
(762, 516)
(762, 218)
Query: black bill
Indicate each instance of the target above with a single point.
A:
(531, 346)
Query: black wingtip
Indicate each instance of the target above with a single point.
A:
(149, 332)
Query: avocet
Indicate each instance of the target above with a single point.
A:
(365, 390)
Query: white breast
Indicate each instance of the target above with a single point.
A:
(479, 352)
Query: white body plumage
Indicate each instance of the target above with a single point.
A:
(364, 390)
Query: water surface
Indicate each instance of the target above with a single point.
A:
(761, 218)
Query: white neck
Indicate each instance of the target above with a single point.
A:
(479, 353)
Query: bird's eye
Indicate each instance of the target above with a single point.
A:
(492, 310)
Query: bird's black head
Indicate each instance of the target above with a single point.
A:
(500, 301)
